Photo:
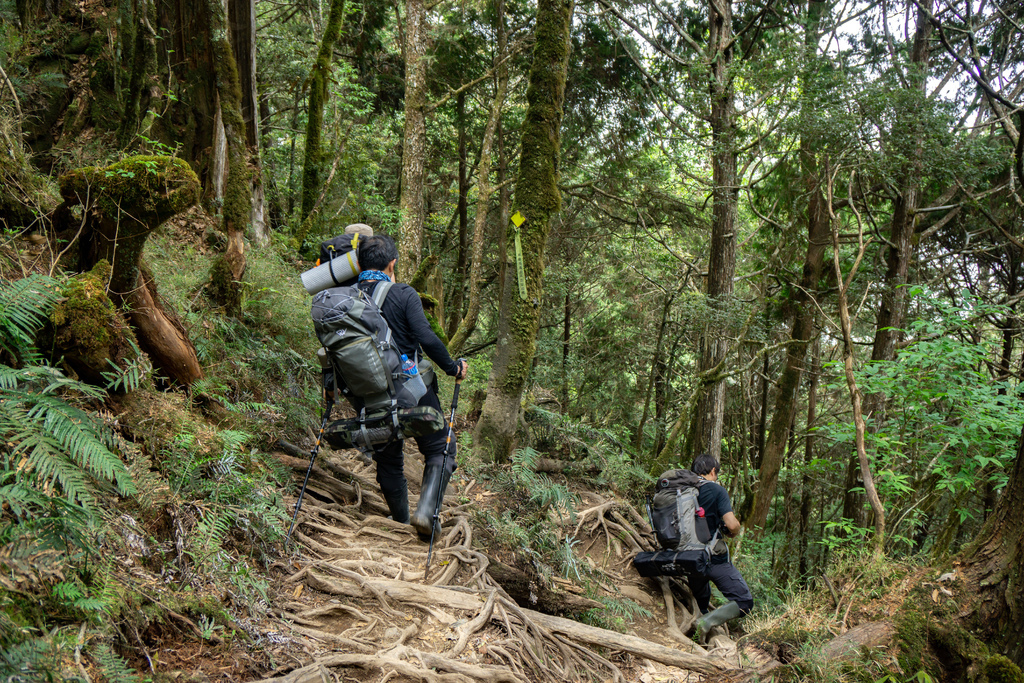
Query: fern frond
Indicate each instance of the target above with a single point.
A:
(115, 669)
(50, 466)
(24, 306)
(85, 441)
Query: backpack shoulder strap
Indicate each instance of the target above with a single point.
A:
(380, 292)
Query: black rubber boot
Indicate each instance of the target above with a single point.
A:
(398, 504)
(435, 481)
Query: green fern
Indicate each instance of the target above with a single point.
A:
(543, 492)
(132, 375)
(62, 445)
(30, 660)
(24, 306)
(114, 668)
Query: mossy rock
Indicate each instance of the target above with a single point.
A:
(89, 331)
(148, 189)
(999, 669)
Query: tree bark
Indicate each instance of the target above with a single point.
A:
(708, 419)
(484, 192)
(414, 141)
(124, 203)
(538, 199)
(319, 80)
(804, 307)
(227, 271)
(851, 383)
(242, 16)
(454, 316)
(994, 563)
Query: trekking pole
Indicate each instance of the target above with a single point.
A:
(312, 457)
(444, 466)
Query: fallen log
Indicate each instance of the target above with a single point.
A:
(528, 590)
(404, 591)
(552, 466)
(870, 635)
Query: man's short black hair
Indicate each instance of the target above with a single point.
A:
(375, 253)
(704, 463)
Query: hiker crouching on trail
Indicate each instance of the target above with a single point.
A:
(714, 499)
(410, 331)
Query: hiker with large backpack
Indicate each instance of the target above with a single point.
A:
(690, 513)
(413, 336)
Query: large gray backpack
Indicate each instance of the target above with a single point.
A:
(367, 364)
(677, 518)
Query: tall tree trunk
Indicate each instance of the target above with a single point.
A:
(143, 63)
(994, 565)
(484, 192)
(242, 16)
(806, 483)
(538, 200)
(708, 418)
(803, 302)
(319, 88)
(656, 360)
(193, 116)
(459, 286)
(851, 382)
(414, 142)
(227, 271)
(892, 312)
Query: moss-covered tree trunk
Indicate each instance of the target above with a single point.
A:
(900, 251)
(227, 271)
(242, 18)
(994, 566)
(143, 62)
(319, 79)
(706, 431)
(538, 200)
(414, 142)
(124, 203)
(803, 307)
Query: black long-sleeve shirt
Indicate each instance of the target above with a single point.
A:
(410, 329)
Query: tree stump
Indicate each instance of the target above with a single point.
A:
(123, 204)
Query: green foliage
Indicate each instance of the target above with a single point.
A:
(616, 614)
(949, 423)
(542, 491)
(33, 659)
(23, 306)
(235, 496)
(115, 669)
(137, 369)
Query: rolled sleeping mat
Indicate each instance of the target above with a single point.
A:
(332, 273)
(379, 427)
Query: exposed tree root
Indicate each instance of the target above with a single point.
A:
(373, 597)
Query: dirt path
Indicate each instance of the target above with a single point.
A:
(355, 604)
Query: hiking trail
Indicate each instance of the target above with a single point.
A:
(355, 603)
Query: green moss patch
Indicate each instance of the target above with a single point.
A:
(88, 330)
(149, 189)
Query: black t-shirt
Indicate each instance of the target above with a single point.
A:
(713, 497)
(410, 329)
